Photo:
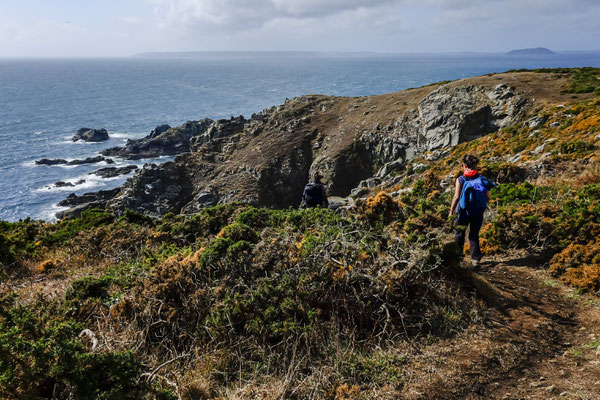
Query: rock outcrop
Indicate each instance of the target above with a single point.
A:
(356, 143)
(60, 161)
(154, 190)
(78, 204)
(452, 115)
(111, 172)
(69, 184)
(162, 141)
(91, 135)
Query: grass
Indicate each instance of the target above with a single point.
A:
(581, 350)
(550, 282)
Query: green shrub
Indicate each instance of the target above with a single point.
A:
(88, 287)
(208, 221)
(583, 80)
(134, 217)
(67, 229)
(509, 193)
(42, 357)
(578, 147)
(7, 255)
(238, 231)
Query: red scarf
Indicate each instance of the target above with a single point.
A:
(469, 173)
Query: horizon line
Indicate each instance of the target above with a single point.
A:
(149, 54)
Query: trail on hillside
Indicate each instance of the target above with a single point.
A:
(541, 343)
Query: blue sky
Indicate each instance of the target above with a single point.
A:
(69, 28)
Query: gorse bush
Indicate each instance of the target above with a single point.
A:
(584, 80)
(273, 282)
(567, 226)
(579, 265)
(65, 230)
(41, 356)
(510, 193)
(578, 148)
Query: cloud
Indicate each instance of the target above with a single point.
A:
(321, 8)
(239, 15)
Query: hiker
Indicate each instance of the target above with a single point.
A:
(314, 194)
(470, 201)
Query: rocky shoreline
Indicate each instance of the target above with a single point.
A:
(266, 160)
(356, 143)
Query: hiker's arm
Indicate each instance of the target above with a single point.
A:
(455, 199)
(303, 202)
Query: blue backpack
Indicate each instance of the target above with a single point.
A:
(473, 196)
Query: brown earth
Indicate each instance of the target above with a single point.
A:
(543, 344)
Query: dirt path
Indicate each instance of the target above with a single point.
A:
(569, 367)
(543, 344)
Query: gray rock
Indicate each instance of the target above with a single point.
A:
(539, 149)
(91, 135)
(46, 161)
(515, 158)
(501, 92)
(359, 192)
(205, 198)
(452, 115)
(434, 155)
(336, 202)
(111, 172)
(78, 204)
(60, 161)
(162, 141)
(389, 168)
(537, 121)
(69, 184)
(75, 200)
(218, 129)
(159, 130)
(91, 160)
(153, 190)
(267, 159)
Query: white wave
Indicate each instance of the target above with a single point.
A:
(80, 182)
(122, 135)
(49, 214)
(29, 164)
(77, 183)
(80, 142)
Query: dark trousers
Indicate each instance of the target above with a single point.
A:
(474, 221)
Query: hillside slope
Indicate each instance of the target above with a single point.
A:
(371, 300)
(267, 159)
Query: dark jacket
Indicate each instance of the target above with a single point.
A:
(314, 195)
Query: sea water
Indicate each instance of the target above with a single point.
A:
(44, 102)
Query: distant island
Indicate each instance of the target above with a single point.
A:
(537, 51)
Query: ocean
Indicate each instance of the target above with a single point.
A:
(43, 102)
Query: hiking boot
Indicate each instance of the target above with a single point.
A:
(476, 265)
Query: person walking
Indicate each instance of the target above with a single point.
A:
(314, 194)
(471, 194)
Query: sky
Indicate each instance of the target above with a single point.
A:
(94, 28)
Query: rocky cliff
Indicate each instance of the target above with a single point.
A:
(375, 302)
(267, 159)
